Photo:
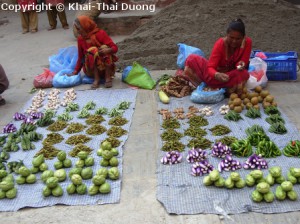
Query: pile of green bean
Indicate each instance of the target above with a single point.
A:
(173, 146)
(118, 121)
(76, 139)
(75, 128)
(226, 140)
(96, 129)
(113, 141)
(48, 151)
(197, 121)
(94, 119)
(278, 128)
(201, 143)
(53, 138)
(78, 148)
(171, 135)
(57, 126)
(268, 149)
(195, 132)
(292, 149)
(220, 130)
(116, 131)
(241, 148)
(171, 123)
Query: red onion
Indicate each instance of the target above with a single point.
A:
(229, 164)
(255, 162)
(201, 168)
(9, 128)
(172, 157)
(196, 155)
(19, 116)
(28, 120)
(220, 150)
(36, 115)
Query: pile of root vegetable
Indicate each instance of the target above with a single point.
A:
(76, 166)
(256, 149)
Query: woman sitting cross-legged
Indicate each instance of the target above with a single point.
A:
(96, 52)
(228, 62)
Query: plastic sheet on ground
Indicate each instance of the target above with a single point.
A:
(182, 193)
(30, 195)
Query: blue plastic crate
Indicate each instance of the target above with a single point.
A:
(281, 66)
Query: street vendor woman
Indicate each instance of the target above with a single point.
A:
(228, 62)
(96, 52)
(4, 83)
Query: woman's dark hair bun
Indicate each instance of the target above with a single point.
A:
(237, 25)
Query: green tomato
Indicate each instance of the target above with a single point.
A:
(43, 167)
(87, 173)
(93, 190)
(37, 161)
(2, 194)
(104, 188)
(79, 163)
(107, 154)
(46, 191)
(76, 179)
(24, 171)
(98, 180)
(20, 180)
(99, 152)
(61, 156)
(3, 173)
(46, 174)
(75, 171)
(57, 191)
(58, 165)
(114, 151)
(113, 173)
(82, 155)
(31, 179)
(81, 189)
(71, 188)
(60, 174)
(89, 161)
(106, 145)
(34, 170)
(52, 182)
(104, 162)
(113, 161)
(6, 185)
(12, 193)
(67, 163)
(102, 172)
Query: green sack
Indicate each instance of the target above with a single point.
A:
(138, 76)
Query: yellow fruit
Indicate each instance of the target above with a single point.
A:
(246, 100)
(266, 104)
(245, 90)
(237, 101)
(243, 106)
(269, 98)
(254, 100)
(243, 96)
(260, 99)
(231, 106)
(264, 93)
(256, 106)
(253, 94)
(258, 89)
(238, 109)
(274, 104)
(163, 97)
(233, 96)
(249, 105)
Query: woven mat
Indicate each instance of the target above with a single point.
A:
(182, 193)
(30, 195)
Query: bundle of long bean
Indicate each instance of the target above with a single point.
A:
(171, 134)
(220, 130)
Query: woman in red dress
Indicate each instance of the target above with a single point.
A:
(96, 52)
(228, 62)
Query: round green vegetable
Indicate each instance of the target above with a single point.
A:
(207, 181)
(87, 173)
(60, 174)
(275, 171)
(58, 165)
(82, 155)
(98, 180)
(229, 183)
(214, 175)
(99, 152)
(76, 179)
(295, 172)
(102, 172)
(256, 196)
(79, 163)
(280, 179)
(107, 155)
(3, 173)
(270, 179)
(269, 197)
(75, 171)
(6, 185)
(104, 188)
(240, 183)
(34, 170)
(20, 180)
(61, 156)
(250, 181)
(114, 151)
(280, 194)
(47, 191)
(286, 186)
(9, 178)
(291, 178)
(104, 162)
(256, 174)
(263, 187)
(106, 145)
(52, 182)
(37, 161)
(67, 163)
(31, 179)
(81, 189)
(235, 176)
(24, 171)
(93, 190)
(71, 188)
(113, 161)
(113, 173)
(292, 195)
(46, 174)
(2, 194)
(220, 182)
(43, 167)
(12, 193)
(89, 161)
(57, 191)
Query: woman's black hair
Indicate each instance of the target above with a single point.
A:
(237, 25)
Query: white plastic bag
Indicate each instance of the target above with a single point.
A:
(258, 73)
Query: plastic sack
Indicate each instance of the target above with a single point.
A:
(207, 97)
(43, 80)
(62, 80)
(65, 59)
(258, 73)
(184, 52)
(127, 70)
(140, 77)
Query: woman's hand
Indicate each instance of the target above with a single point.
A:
(222, 77)
(71, 74)
(240, 65)
(105, 50)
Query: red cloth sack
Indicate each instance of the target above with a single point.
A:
(44, 80)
